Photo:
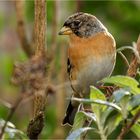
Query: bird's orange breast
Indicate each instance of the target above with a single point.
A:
(96, 48)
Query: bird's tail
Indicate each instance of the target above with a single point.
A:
(70, 114)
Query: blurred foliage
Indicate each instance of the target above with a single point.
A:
(120, 17)
(11, 132)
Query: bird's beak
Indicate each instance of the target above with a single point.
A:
(65, 31)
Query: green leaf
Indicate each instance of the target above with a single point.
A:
(134, 101)
(119, 94)
(96, 94)
(79, 120)
(11, 132)
(75, 135)
(136, 129)
(124, 81)
(122, 97)
(135, 111)
(9, 124)
(112, 123)
(105, 114)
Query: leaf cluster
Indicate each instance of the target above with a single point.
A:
(106, 116)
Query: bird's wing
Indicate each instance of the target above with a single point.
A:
(69, 67)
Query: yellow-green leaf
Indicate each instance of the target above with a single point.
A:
(124, 81)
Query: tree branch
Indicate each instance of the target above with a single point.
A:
(40, 26)
(19, 5)
(126, 129)
(38, 71)
(132, 70)
(12, 111)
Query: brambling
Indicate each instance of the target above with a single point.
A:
(91, 56)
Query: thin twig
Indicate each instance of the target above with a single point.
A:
(12, 111)
(60, 96)
(5, 103)
(85, 134)
(79, 5)
(124, 58)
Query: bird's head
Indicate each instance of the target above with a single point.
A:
(82, 25)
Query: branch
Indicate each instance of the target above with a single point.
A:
(60, 96)
(126, 129)
(52, 51)
(124, 58)
(19, 5)
(79, 5)
(12, 111)
(38, 71)
(40, 26)
(132, 71)
(54, 26)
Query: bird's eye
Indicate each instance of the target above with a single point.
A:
(77, 22)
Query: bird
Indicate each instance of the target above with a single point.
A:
(91, 56)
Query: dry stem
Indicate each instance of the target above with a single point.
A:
(19, 4)
(38, 71)
(40, 26)
(126, 129)
(132, 71)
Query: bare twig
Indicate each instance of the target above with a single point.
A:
(79, 5)
(5, 103)
(124, 58)
(12, 111)
(52, 51)
(54, 26)
(19, 4)
(134, 62)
